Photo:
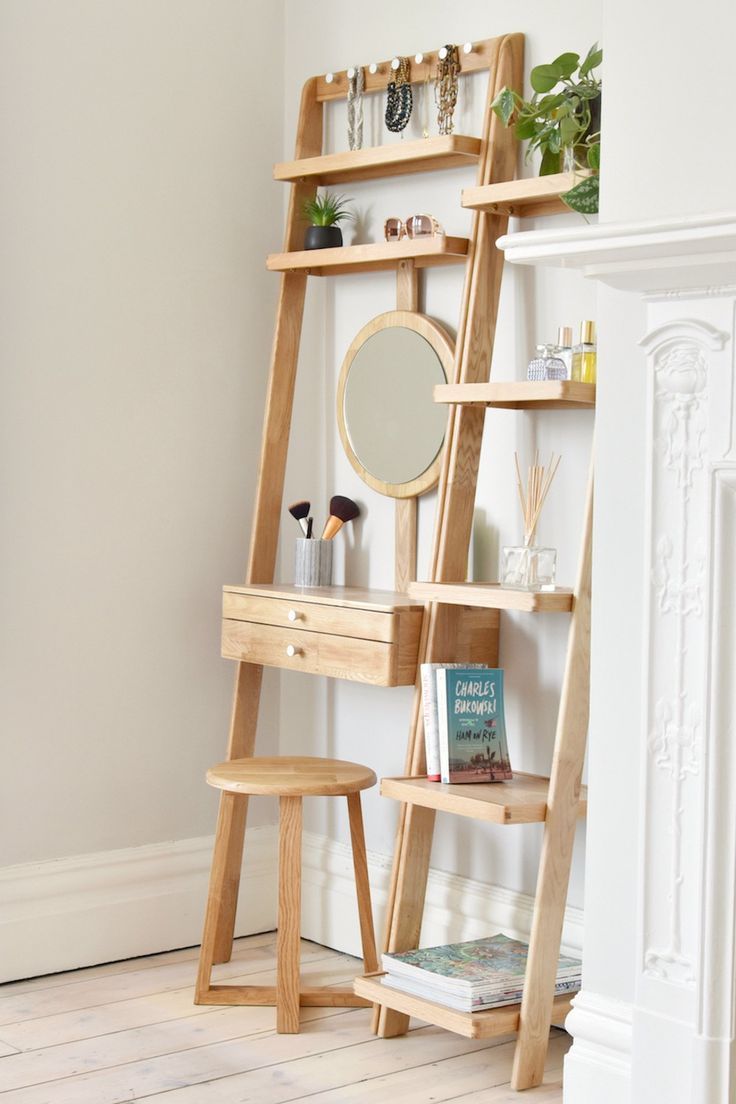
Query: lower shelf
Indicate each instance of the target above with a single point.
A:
(522, 800)
(474, 1025)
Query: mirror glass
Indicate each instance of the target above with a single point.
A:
(390, 423)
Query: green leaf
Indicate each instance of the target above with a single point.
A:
(568, 131)
(593, 59)
(543, 78)
(566, 64)
(550, 163)
(594, 156)
(584, 196)
(504, 105)
(526, 128)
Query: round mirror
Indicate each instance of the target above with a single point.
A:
(391, 429)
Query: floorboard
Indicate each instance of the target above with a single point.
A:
(129, 1031)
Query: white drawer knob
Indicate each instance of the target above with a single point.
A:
(293, 615)
(292, 650)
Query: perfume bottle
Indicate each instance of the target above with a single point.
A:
(564, 348)
(584, 355)
(546, 365)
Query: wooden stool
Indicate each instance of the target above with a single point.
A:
(291, 778)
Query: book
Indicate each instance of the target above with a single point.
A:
(475, 1002)
(479, 973)
(429, 712)
(472, 730)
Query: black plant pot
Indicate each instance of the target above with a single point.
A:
(322, 237)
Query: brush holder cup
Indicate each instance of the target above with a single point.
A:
(528, 567)
(313, 563)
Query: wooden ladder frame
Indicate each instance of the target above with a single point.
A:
(456, 500)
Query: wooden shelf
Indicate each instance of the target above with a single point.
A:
(494, 596)
(424, 155)
(520, 395)
(473, 1025)
(522, 800)
(375, 257)
(538, 195)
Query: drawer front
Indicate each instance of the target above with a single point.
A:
(370, 661)
(311, 616)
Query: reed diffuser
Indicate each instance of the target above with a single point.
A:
(528, 566)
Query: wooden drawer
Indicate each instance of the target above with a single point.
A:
(342, 632)
(296, 613)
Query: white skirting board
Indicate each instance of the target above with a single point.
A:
(88, 909)
(456, 908)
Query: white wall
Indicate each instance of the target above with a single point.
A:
(135, 343)
(368, 724)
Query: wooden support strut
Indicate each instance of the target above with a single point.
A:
(456, 501)
(264, 540)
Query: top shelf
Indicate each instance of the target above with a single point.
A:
(400, 159)
(538, 195)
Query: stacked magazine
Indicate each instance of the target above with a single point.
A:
(482, 973)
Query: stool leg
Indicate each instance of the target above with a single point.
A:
(287, 945)
(362, 885)
(217, 894)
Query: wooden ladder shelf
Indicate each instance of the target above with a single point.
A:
(429, 615)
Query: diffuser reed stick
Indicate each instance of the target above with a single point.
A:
(533, 493)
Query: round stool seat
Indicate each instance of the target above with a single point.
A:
(291, 776)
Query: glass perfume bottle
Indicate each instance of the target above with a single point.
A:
(584, 355)
(564, 348)
(546, 365)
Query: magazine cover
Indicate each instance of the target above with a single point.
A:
(495, 962)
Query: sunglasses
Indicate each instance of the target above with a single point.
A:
(416, 226)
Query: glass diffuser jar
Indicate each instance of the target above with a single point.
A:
(528, 567)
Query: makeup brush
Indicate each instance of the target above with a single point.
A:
(342, 509)
(299, 511)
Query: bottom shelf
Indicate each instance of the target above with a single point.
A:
(474, 1025)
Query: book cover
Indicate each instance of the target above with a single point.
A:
(429, 713)
(495, 963)
(472, 730)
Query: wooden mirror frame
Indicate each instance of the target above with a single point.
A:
(443, 345)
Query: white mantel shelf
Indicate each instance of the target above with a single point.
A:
(654, 256)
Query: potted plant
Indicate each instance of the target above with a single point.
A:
(562, 120)
(324, 212)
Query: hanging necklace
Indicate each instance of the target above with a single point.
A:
(356, 87)
(399, 98)
(445, 88)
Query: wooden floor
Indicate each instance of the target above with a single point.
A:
(129, 1031)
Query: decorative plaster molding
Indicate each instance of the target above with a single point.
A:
(652, 256)
(598, 1066)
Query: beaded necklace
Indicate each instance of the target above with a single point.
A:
(399, 98)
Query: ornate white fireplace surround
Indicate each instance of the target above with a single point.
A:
(673, 1043)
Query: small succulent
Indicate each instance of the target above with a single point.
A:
(327, 209)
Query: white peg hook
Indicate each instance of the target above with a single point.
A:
(329, 78)
(351, 73)
(395, 63)
(467, 47)
(419, 58)
(442, 53)
(373, 68)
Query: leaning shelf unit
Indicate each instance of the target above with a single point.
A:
(448, 609)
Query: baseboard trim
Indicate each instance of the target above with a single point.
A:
(598, 1065)
(87, 909)
(456, 908)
